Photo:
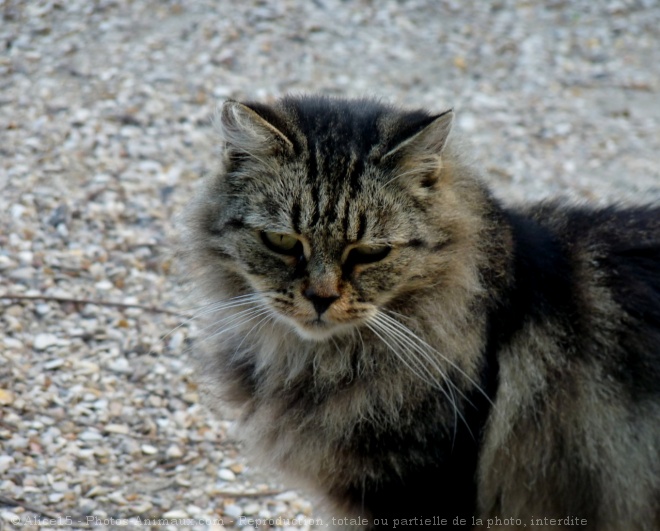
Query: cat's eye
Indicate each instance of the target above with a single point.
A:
(282, 243)
(367, 254)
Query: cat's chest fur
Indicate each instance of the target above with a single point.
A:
(404, 345)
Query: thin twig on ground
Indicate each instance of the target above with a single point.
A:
(73, 300)
(6, 500)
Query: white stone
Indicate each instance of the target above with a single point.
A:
(96, 490)
(104, 285)
(116, 428)
(101, 404)
(175, 514)
(8, 516)
(18, 442)
(54, 364)
(120, 365)
(175, 341)
(90, 435)
(42, 309)
(233, 511)
(148, 449)
(6, 461)
(118, 498)
(289, 495)
(22, 273)
(226, 474)
(86, 367)
(142, 508)
(26, 257)
(12, 342)
(251, 508)
(43, 341)
(174, 452)
(60, 486)
(17, 211)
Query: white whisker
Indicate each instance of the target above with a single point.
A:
(230, 317)
(259, 324)
(206, 309)
(404, 329)
(427, 374)
(375, 330)
(239, 320)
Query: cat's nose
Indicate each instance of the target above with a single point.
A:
(321, 302)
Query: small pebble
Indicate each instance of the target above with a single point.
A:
(6, 461)
(86, 506)
(175, 514)
(60, 486)
(6, 397)
(90, 435)
(251, 509)
(13, 343)
(233, 510)
(43, 341)
(116, 428)
(173, 452)
(104, 285)
(287, 496)
(9, 516)
(141, 508)
(42, 309)
(226, 474)
(54, 364)
(193, 510)
(148, 449)
(120, 365)
(95, 491)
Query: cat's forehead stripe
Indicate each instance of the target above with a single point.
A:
(313, 183)
(345, 218)
(295, 216)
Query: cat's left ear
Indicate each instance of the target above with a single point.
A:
(247, 131)
(431, 139)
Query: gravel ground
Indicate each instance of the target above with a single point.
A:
(105, 112)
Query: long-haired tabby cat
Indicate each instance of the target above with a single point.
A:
(404, 345)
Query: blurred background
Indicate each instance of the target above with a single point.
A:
(105, 130)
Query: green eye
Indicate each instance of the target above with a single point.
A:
(367, 254)
(282, 243)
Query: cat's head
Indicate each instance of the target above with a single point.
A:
(329, 210)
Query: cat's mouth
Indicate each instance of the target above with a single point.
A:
(318, 330)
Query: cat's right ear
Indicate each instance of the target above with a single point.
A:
(247, 133)
(429, 140)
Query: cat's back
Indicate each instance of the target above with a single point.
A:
(616, 249)
(613, 260)
(582, 369)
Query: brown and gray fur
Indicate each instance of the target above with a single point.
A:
(510, 357)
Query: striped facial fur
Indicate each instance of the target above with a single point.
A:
(328, 221)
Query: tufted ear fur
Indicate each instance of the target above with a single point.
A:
(419, 156)
(431, 140)
(246, 133)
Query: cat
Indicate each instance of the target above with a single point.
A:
(409, 349)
